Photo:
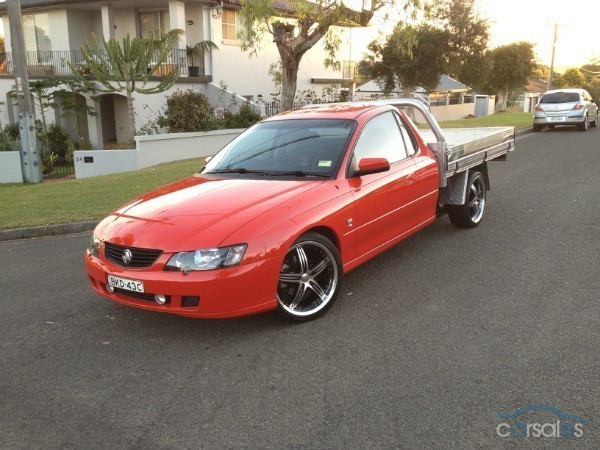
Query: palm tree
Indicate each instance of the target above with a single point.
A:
(195, 55)
(127, 66)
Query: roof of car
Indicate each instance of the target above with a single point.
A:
(350, 110)
(579, 91)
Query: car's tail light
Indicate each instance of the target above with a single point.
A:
(578, 106)
(538, 108)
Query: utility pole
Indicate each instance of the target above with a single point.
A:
(551, 76)
(31, 161)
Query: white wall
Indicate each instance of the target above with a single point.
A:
(194, 33)
(452, 112)
(104, 162)
(81, 25)
(10, 167)
(6, 26)
(150, 151)
(121, 117)
(163, 148)
(491, 105)
(59, 34)
(247, 75)
(125, 21)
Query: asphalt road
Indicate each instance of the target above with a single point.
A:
(427, 343)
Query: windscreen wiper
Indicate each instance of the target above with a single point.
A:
(239, 170)
(299, 173)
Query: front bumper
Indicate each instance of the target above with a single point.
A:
(231, 292)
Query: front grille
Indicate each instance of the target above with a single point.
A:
(139, 295)
(140, 257)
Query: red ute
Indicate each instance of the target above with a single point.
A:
(274, 219)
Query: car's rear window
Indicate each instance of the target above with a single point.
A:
(560, 97)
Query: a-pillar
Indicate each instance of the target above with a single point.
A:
(95, 124)
(108, 22)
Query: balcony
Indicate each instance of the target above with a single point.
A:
(54, 63)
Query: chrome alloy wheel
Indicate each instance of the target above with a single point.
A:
(308, 279)
(477, 198)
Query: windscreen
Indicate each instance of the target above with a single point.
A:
(560, 97)
(301, 147)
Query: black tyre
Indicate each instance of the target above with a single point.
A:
(310, 278)
(595, 122)
(583, 126)
(469, 214)
(537, 128)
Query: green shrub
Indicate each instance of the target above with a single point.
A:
(9, 138)
(243, 119)
(55, 140)
(186, 111)
(12, 131)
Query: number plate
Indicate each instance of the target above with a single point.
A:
(556, 119)
(124, 283)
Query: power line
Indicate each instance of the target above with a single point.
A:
(583, 69)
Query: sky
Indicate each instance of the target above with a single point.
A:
(526, 20)
(529, 20)
(533, 20)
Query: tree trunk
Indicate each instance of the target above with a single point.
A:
(131, 113)
(291, 49)
(502, 99)
(289, 79)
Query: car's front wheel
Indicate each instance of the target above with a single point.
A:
(310, 278)
(595, 122)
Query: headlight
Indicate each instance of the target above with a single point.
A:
(207, 259)
(94, 247)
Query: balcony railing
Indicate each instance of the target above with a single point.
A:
(50, 63)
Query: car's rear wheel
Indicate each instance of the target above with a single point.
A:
(469, 214)
(537, 128)
(583, 126)
(310, 278)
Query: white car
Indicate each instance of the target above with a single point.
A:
(565, 107)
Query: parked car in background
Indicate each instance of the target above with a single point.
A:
(565, 107)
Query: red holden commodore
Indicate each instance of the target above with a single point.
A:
(274, 220)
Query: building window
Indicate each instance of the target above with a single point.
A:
(36, 30)
(229, 25)
(154, 23)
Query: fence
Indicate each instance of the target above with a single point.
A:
(51, 63)
(56, 167)
(272, 108)
(453, 98)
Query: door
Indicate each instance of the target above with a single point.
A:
(382, 199)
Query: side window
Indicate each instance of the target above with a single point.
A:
(409, 140)
(380, 138)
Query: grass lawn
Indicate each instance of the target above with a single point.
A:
(65, 201)
(519, 120)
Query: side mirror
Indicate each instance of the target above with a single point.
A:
(367, 166)
(207, 159)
